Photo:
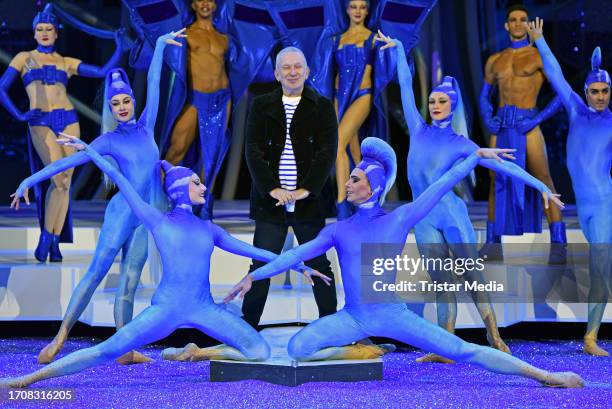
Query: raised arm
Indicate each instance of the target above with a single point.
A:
(227, 242)
(93, 71)
(7, 79)
(552, 69)
(154, 75)
(148, 214)
(411, 113)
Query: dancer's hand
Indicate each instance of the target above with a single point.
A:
(72, 141)
(120, 36)
(283, 196)
(170, 37)
(494, 153)
(527, 125)
(552, 197)
(240, 289)
(389, 42)
(22, 191)
(535, 29)
(493, 124)
(31, 114)
(309, 273)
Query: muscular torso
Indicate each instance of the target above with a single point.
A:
(206, 59)
(42, 96)
(358, 39)
(518, 74)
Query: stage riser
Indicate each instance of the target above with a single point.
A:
(42, 291)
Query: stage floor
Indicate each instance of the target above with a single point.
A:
(405, 384)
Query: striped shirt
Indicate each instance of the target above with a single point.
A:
(287, 168)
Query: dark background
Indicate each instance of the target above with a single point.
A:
(465, 33)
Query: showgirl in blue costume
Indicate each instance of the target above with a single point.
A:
(330, 337)
(183, 296)
(132, 146)
(45, 76)
(589, 158)
(434, 149)
(357, 65)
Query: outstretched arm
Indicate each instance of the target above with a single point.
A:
(148, 214)
(93, 71)
(227, 242)
(317, 246)
(100, 144)
(552, 69)
(154, 75)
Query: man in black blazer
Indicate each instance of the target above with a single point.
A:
(291, 142)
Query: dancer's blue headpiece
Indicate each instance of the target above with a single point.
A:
(176, 183)
(596, 74)
(45, 16)
(380, 166)
(117, 82)
(456, 119)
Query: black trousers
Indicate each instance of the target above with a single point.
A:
(271, 236)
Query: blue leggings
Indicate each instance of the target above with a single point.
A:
(120, 231)
(595, 218)
(157, 322)
(441, 232)
(397, 322)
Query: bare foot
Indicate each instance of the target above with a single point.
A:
(180, 354)
(591, 348)
(499, 344)
(13, 383)
(387, 348)
(49, 352)
(435, 358)
(563, 380)
(133, 357)
(361, 351)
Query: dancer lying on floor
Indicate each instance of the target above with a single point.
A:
(330, 337)
(183, 297)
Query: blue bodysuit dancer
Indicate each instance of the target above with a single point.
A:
(330, 337)
(434, 149)
(132, 146)
(589, 158)
(183, 296)
(45, 75)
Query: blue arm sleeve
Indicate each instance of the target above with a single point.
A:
(61, 165)
(148, 214)
(553, 72)
(93, 71)
(486, 109)
(515, 171)
(412, 213)
(7, 79)
(227, 242)
(317, 246)
(411, 113)
(153, 77)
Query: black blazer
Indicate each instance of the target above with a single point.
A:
(314, 137)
